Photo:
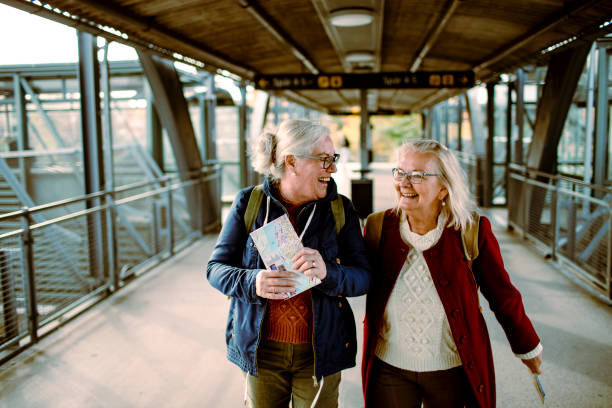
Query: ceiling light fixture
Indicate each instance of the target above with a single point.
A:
(351, 17)
(359, 56)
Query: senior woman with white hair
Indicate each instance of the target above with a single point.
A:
(425, 339)
(292, 350)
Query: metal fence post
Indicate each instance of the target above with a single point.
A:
(169, 220)
(526, 198)
(571, 230)
(156, 226)
(112, 241)
(554, 218)
(609, 256)
(28, 275)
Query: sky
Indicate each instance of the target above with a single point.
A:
(37, 40)
(29, 39)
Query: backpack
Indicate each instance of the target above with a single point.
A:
(337, 207)
(469, 238)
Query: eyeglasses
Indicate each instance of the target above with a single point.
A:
(414, 177)
(327, 160)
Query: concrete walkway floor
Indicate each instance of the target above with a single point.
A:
(159, 342)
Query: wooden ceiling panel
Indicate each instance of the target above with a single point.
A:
(406, 23)
(300, 21)
(247, 37)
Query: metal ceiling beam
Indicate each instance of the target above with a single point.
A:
(186, 48)
(270, 25)
(434, 31)
(321, 8)
(510, 48)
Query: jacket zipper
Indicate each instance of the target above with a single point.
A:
(259, 336)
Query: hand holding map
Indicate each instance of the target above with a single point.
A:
(277, 244)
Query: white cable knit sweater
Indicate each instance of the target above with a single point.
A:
(416, 335)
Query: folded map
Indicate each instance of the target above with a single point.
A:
(277, 243)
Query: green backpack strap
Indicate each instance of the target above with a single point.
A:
(337, 207)
(469, 238)
(253, 207)
(373, 230)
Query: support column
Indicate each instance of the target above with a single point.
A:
(154, 130)
(93, 154)
(242, 139)
(23, 141)
(562, 77)
(520, 116)
(364, 130)
(589, 135)
(209, 129)
(362, 188)
(173, 111)
(258, 122)
(478, 142)
(113, 262)
(426, 124)
(601, 127)
(487, 169)
(446, 141)
(509, 134)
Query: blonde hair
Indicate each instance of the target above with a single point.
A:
(459, 203)
(291, 136)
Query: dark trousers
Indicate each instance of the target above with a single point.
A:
(392, 387)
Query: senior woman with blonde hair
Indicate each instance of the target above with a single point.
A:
(292, 350)
(425, 339)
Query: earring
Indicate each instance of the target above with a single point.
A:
(443, 203)
(294, 173)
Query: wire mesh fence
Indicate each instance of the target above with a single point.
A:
(569, 218)
(58, 256)
(13, 323)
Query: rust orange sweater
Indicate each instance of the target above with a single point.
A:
(289, 321)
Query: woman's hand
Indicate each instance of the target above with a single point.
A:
(310, 262)
(273, 284)
(534, 363)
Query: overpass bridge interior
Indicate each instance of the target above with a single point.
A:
(520, 90)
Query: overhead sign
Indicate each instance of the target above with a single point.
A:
(387, 80)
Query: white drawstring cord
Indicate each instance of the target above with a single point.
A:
(267, 209)
(316, 398)
(246, 388)
(308, 222)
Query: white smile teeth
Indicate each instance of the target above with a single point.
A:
(325, 179)
(409, 195)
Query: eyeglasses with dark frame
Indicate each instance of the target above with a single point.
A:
(414, 177)
(327, 160)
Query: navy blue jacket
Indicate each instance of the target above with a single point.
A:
(235, 262)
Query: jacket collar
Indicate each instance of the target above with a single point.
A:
(332, 192)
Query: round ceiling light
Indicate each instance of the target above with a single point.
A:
(359, 56)
(351, 17)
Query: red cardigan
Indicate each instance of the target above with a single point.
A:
(451, 276)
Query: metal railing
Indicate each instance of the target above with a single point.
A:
(40, 293)
(570, 219)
